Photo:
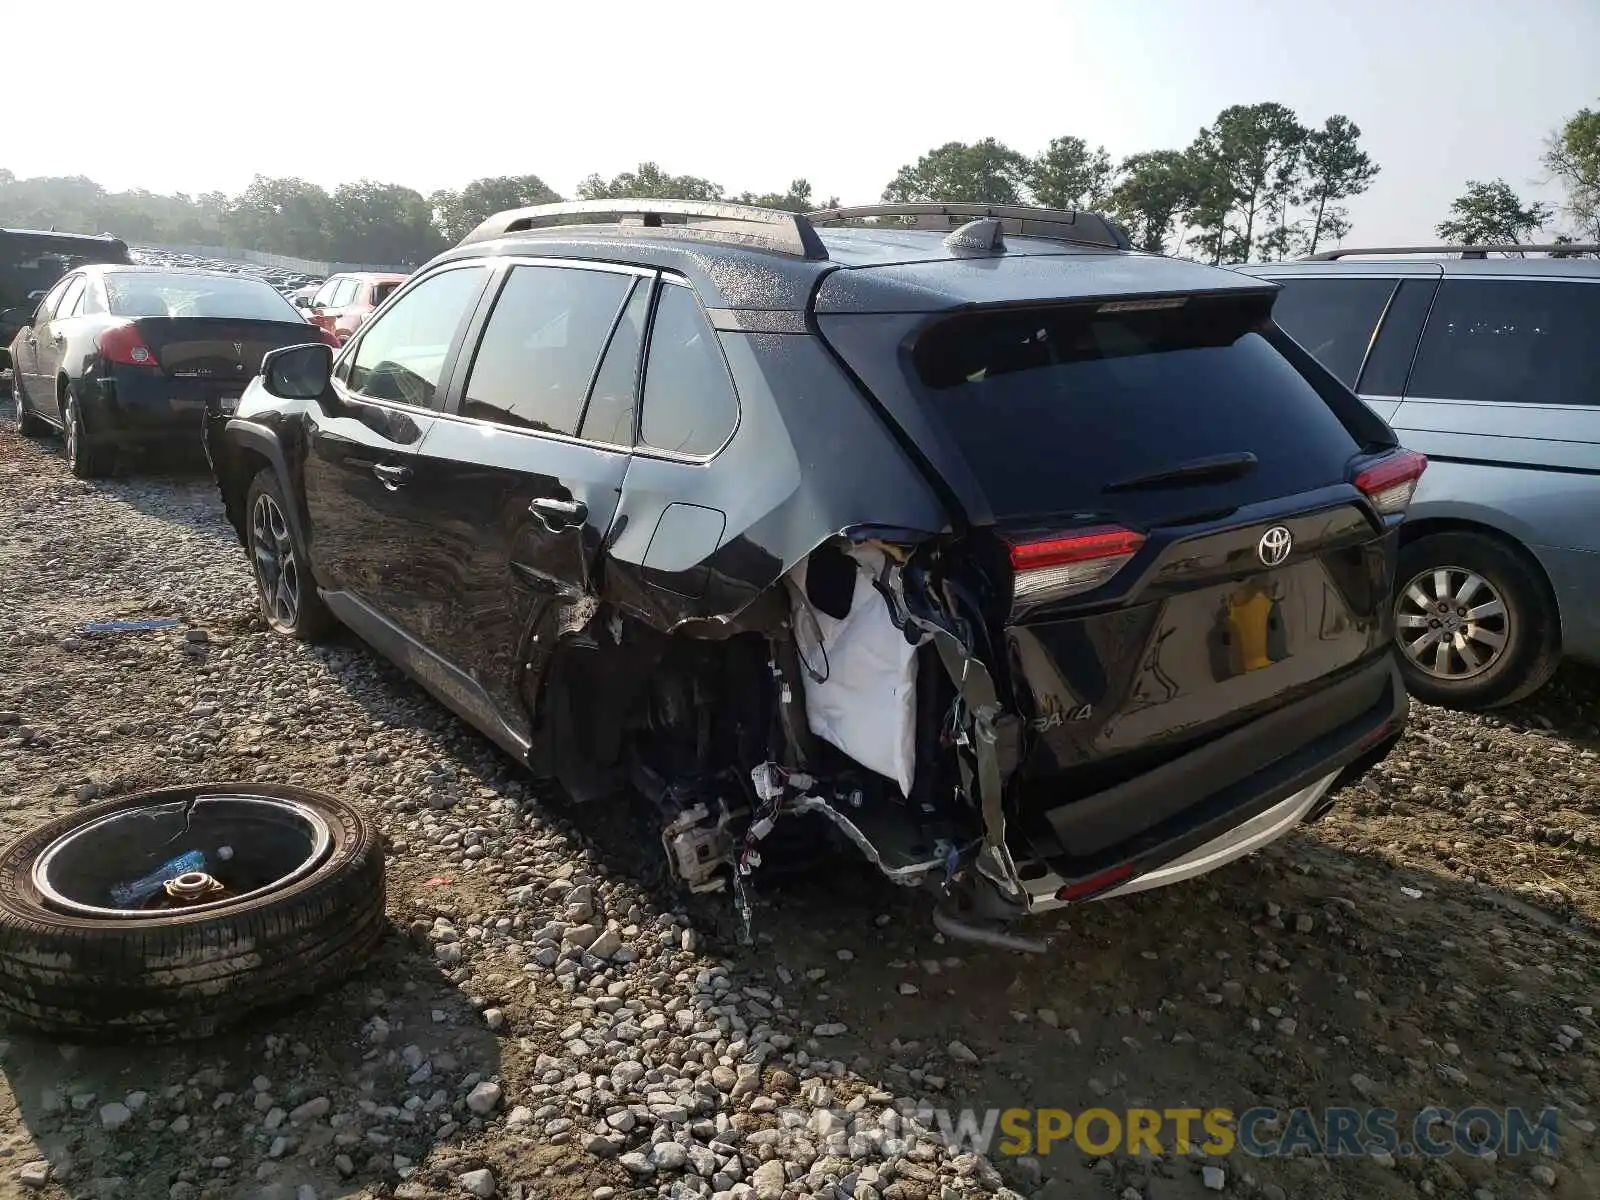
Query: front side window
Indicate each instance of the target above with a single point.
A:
(1524, 341)
(47, 306)
(541, 346)
(324, 294)
(402, 354)
(1334, 319)
(345, 293)
(689, 406)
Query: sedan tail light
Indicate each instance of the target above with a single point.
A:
(1063, 565)
(123, 344)
(1391, 481)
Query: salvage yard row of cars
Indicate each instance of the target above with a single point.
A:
(1036, 569)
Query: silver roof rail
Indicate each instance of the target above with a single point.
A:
(1464, 251)
(740, 224)
(1053, 224)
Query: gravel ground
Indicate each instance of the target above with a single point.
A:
(549, 1019)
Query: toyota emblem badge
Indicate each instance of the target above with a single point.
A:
(1274, 546)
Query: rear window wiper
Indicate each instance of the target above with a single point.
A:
(1216, 468)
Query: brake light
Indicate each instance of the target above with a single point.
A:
(1056, 567)
(122, 344)
(1391, 481)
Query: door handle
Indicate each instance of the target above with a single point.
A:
(392, 476)
(556, 515)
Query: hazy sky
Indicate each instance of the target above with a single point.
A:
(170, 95)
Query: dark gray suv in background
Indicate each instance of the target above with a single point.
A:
(1038, 569)
(1490, 367)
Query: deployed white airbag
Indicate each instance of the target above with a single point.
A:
(861, 674)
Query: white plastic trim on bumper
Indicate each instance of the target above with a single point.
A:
(1245, 838)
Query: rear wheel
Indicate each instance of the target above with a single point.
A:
(84, 460)
(284, 587)
(1475, 626)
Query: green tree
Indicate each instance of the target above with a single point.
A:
(1572, 156)
(1070, 175)
(985, 172)
(797, 199)
(372, 222)
(1247, 162)
(1336, 168)
(1155, 188)
(281, 216)
(1491, 214)
(649, 182)
(458, 213)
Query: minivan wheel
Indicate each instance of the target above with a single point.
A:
(287, 593)
(1475, 628)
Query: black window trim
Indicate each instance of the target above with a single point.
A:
(1475, 277)
(446, 376)
(640, 447)
(503, 267)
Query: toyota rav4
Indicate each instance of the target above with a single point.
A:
(1037, 569)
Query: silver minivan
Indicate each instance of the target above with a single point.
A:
(1491, 367)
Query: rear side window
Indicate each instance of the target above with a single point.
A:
(542, 345)
(1513, 341)
(1333, 319)
(609, 417)
(381, 291)
(1051, 406)
(689, 406)
(402, 352)
(69, 300)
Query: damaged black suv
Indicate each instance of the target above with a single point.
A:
(1039, 569)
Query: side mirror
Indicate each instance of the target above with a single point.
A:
(297, 372)
(302, 301)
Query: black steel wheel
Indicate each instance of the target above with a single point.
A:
(170, 914)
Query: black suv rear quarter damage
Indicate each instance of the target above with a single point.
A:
(976, 576)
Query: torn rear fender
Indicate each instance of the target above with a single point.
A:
(694, 544)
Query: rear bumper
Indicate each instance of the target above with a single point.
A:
(1108, 844)
(132, 407)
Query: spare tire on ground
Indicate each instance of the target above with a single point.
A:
(169, 914)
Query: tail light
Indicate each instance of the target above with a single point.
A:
(1057, 567)
(123, 344)
(1391, 481)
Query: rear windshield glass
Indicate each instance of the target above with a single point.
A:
(164, 294)
(1052, 405)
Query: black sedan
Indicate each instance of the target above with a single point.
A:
(123, 358)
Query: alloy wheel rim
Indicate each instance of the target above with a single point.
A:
(277, 572)
(70, 430)
(1452, 623)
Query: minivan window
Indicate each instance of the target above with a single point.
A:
(609, 417)
(1051, 405)
(402, 352)
(541, 347)
(1511, 341)
(1333, 319)
(689, 406)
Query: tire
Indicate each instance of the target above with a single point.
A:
(307, 618)
(1516, 634)
(83, 460)
(28, 425)
(176, 974)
